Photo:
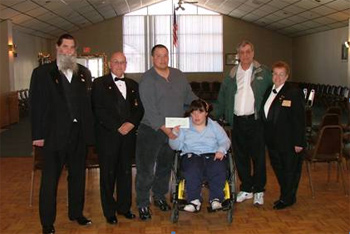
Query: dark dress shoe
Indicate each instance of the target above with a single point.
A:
(276, 202)
(82, 220)
(112, 220)
(293, 201)
(48, 229)
(163, 206)
(281, 205)
(144, 213)
(128, 215)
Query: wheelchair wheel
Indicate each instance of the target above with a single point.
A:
(230, 212)
(175, 214)
(230, 215)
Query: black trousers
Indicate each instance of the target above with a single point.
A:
(249, 149)
(115, 173)
(74, 156)
(154, 160)
(287, 167)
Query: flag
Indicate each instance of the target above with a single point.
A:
(175, 30)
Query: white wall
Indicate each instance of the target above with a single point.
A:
(317, 58)
(28, 48)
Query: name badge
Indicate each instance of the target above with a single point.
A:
(287, 103)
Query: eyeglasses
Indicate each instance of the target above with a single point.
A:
(282, 74)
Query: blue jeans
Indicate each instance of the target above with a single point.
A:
(154, 160)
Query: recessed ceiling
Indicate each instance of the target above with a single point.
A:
(293, 18)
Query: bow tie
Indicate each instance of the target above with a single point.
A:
(119, 79)
(274, 91)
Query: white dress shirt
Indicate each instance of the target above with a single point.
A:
(69, 74)
(271, 98)
(244, 97)
(121, 85)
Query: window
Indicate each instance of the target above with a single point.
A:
(94, 63)
(199, 37)
(200, 43)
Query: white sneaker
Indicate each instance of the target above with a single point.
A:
(242, 196)
(193, 206)
(215, 204)
(259, 198)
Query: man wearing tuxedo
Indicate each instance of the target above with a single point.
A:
(62, 123)
(118, 112)
(284, 130)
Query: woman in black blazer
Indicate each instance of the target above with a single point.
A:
(284, 130)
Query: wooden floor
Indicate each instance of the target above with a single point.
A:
(327, 213)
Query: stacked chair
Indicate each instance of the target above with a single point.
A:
(23, 102)
(328, 149)
(206, 90)
(329, 142)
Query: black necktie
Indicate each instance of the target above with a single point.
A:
(119, 79)
(274, 91)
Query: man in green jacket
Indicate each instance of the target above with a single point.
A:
(239, 103)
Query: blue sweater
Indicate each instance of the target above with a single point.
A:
(212, 139)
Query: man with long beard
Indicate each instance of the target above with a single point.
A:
(62, 124)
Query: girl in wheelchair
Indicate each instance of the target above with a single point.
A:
(203, 145)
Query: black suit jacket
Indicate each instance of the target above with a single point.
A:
(50, 115)
(284, 127)
(112, 110)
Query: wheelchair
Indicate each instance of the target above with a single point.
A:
(178, 189)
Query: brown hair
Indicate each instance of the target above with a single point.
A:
(281, 64)
(65, 36)
(244, 43)
(199, 105)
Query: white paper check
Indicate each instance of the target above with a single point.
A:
(173, 122)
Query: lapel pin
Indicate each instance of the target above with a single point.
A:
(110, 87)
